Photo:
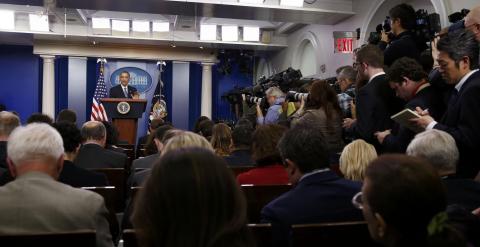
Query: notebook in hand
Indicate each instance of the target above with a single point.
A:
(403, 118)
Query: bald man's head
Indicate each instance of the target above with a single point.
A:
(94, 131)
(472, 22)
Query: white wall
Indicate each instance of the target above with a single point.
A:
(369, 13)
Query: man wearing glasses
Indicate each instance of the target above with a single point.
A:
(458, 59)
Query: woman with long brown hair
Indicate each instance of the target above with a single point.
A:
(222, 139)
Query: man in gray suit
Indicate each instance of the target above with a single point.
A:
(35, 202)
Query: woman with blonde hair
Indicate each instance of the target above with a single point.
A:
(186, 139)
(222, 139)
(355, 158)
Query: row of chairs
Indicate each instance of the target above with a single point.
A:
(308, 235)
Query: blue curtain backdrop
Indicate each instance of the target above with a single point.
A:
(61, 84)
(195, 93)
(21, 80)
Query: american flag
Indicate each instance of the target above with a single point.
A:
(98, 112)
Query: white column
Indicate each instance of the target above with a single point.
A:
(48, 86)
(207, 90)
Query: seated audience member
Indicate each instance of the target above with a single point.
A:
(152, 126)
(191, 199)
(196, 128)
(71, 174)
(92, 154)
(404, 202)
(205, 128)
(319, 194)
(39, 118)
(410, 83)
(222, 139)
(67, 115)
(34, 202)
(275, 98)
(322, 111)
(440, 149)
(173, 139)
(355, 158)
(147, 162)
(8, 122)
(268, 162)
(112, 138)
(346, 77)
(242, 138)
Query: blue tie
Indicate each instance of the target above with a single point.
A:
(125, 92)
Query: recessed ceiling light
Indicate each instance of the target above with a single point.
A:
(229, 33)
(39, 22)
(208, 32)
(251, 34)
(7, 19)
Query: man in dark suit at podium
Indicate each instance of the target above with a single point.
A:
(123, 90)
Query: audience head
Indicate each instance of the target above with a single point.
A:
(355, 158)
(369, 59)
(124, 78)
(155, 123)
(346, 77)
(264, 144)
(403, 18)
(37, 147)
(400, 197)
(272, 94)
(205, 128)
(244, 121)
(222, 139)
(426, 60)
(72, 139)
(94, 132)
(242, 136)
(472, 22)
(438, 147)
(184, 139)
(39, 118)
(67, 115)
(191, 199)
(196, 128)
(303, 150)
(8, 122)
(159, 134)
(458, 55)
(405, 76)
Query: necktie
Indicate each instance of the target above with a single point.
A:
(125, 92)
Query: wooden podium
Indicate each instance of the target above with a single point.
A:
(125, 114)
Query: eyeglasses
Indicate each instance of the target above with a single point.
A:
(357, 200)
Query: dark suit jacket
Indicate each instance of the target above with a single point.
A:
(462, 121)
(375, 103)
(117, 91)
(94, 156)
(318, 198)
(402, 46)
(464, 192)
(401, 136)
(145, 162)
(3, 155)
(241, 157)
(79, 177)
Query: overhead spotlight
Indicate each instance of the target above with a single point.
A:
(173, 45)
(201, 47)
(100, 23)
(39, 23)
(251, 34)
(120, 27)
(208, 32)
(292, 3)
(229, 33)
(141, 26)
(161, 26)
(7, 19)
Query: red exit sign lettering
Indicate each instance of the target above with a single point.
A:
(344, 45)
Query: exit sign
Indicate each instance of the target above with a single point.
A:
(344, 42)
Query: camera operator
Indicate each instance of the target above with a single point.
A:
(321, 111)
(346, 81)
(275, 98)
(403, 21)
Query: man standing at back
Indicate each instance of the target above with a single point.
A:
(376, 101)
(34, 202)
(93, 154)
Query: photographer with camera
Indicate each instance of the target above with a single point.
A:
(275, 98)
(402, 22)
(346, 78)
